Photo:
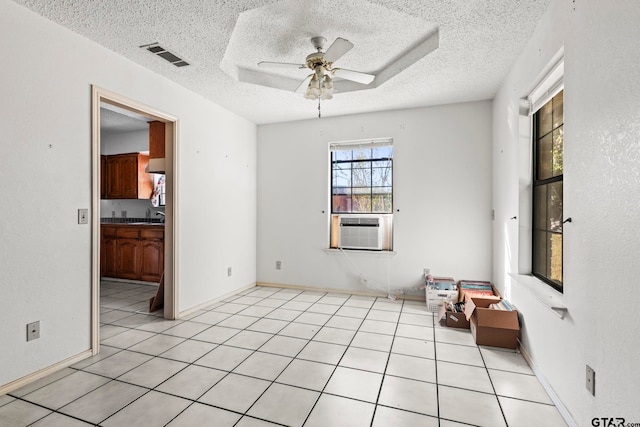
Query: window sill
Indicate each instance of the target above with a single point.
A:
(359, 251)
(549, 297)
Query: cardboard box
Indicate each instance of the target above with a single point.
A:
(464, 292)
(451, 319)
(497, 328)
(445, 290)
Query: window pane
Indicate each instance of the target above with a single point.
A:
(362, 153)
(558, 151)
(544, 158)
(342, 155)
(540, 252)
(342, 180)
(382, 152)
(544, 120)
(361, 203)
(540, 204)
(381, 176)
(558, 109)
(341, 203)
(555, 257)
(554, 202)
(361, 178)
(361, 190)
(381, 203)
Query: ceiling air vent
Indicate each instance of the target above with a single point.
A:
(165, 54)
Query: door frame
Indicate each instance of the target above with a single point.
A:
(99, 96)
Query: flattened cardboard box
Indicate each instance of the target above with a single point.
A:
(451, 319)
(497, 328)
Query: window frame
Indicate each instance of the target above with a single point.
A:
(537, 182)
(386, 216)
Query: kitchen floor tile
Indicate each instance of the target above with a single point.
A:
(283, 314)
(369, 360)
(359, 302)
(529, 414)
(263, 365)
(355, 384)
(313, 318)
(416, 319)
(464, 376)
(417, 368)
(249, 339)
(333, 299)
(271, 326)
(201, 415)
(128, 338)
(189, 351)
(378, 327)
(152, 409)
(270, 302)
(322, 352)
(383, 315)
(338, 411)
(454, 336)
(459, 354)
(42, 382)
(341, 322)
(118, 364)
(230, 308)
(19, 413)
(357, 312)
(216, 334)
(152, 373)
(156, 344)
(323, 308)
(59, 420)
(236, 393)
(238, 321)
(414, 347)
(519, 386)
(306, 374)
(186, 329)
(192, 382)
(385, 417)
(299, 330)
(505, 360)
(224, 357)
(103, 402)
(284, 404)
(415, 331)
(410, 395)
(66, 390)
(256, 311)
(372, 341)
(481, 409)
(334, 335)
(284, 346)
(211, 317)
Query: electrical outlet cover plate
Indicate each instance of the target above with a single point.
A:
(33, 331)
(591, 380)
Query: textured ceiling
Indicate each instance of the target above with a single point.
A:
(477, 41)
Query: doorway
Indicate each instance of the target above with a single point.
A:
(102, 97)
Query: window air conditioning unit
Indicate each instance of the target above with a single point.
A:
(360, 232)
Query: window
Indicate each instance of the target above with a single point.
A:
(548, 149)
(362, 184)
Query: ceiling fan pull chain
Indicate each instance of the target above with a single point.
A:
(319, 113)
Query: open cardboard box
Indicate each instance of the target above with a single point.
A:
(497, 328)
(451, 319)
(470, 292)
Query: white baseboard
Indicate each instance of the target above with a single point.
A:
(21, 382)
(379, 294)
(564, 412)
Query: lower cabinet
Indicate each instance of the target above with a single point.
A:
(132, 252)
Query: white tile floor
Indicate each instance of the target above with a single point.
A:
(270, 356)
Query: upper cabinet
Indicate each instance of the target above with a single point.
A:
(124, 177)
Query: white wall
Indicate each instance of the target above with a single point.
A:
(45, 176)
(442, 198)
(601, 194)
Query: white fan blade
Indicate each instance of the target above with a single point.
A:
(303, 86)
(280, 65)
(338, 48)
(354, 76)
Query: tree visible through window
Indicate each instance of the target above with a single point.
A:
(361, 178)
(548, 152)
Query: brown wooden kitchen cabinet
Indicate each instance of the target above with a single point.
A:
(133, 252)
(124, 176)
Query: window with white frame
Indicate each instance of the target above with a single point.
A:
(547, 182)
(362, 193)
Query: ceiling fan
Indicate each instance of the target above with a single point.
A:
(319, 84)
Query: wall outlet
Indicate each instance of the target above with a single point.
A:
(426, 271)
(83, 216)
(278, 265)
(591, 380)
(33, 331)
(123, 214)
(229, 271)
